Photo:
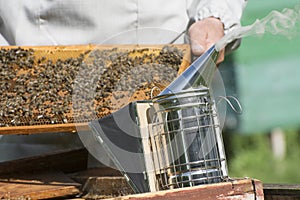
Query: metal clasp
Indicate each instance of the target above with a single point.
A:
(238, 110)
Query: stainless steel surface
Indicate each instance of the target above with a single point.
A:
(199, 73)
(186, 140)
(177, 135)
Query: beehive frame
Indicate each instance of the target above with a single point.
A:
(45, 56)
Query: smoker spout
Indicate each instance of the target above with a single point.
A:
(199, 73)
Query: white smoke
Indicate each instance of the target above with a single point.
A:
(276, 23)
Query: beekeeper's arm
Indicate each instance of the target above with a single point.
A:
(213, 19)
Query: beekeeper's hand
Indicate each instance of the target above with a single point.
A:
(205, 33)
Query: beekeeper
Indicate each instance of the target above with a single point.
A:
(44, 22)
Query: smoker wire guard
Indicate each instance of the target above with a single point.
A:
(187, 170)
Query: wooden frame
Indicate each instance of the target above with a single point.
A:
(64, 52)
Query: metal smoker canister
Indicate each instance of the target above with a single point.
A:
(186, 140)
(172, 141)
(185, 132)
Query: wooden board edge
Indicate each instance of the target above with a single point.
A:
(237, 189)
(48, 128)
(55, 193)
(67, 161)
(43, 184)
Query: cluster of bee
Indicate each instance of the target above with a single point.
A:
(79, 89)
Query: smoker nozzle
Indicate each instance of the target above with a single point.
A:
(178, 116)
(199, 73)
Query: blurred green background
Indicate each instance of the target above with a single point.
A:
(267, 74)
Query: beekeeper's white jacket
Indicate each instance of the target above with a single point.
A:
(57, 22)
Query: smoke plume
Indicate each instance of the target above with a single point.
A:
(282, 23)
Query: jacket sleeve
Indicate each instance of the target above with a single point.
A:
(228, 11)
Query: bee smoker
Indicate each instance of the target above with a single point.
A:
(185, 131)
(172, 141)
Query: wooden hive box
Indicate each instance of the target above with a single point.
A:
(235, 189)
(59, 88)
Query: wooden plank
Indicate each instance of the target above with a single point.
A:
(66, 161)
(234, 190)
(102, 182)
(83, 175)
(106, 187)
(66, 124)
(281, 191)
(38, 185)
(53, 128)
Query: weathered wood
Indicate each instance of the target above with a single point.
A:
(102, 182)
(234, 190)
(281, 191)
(38, 185)
(66, 161)
(83, 176)
(106, 187)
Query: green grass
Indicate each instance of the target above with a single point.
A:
(253, 158)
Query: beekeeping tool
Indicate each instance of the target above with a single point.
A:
(171, 141)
